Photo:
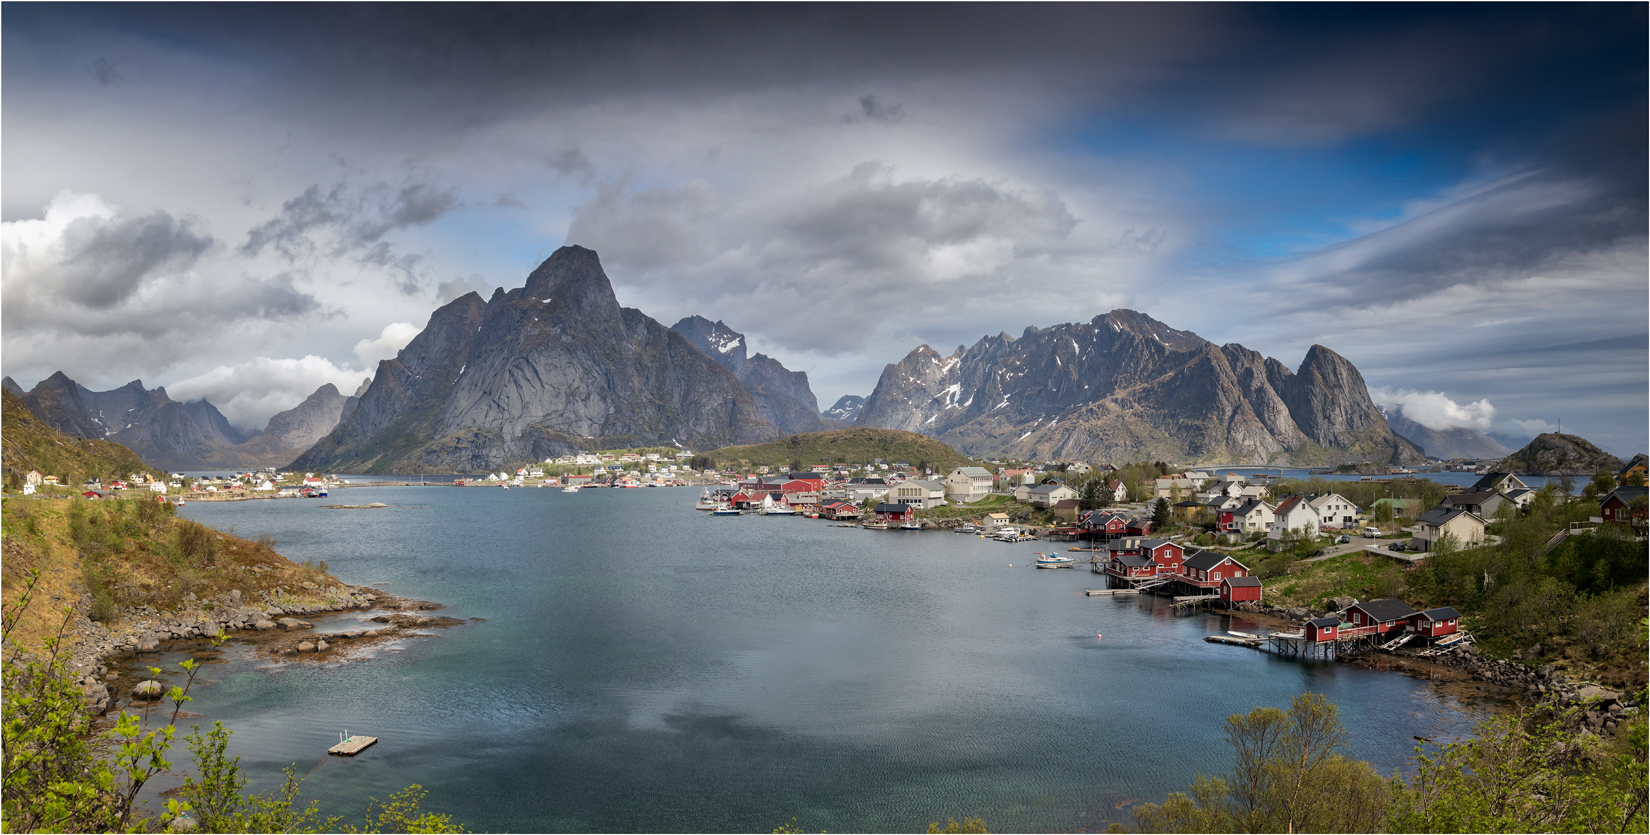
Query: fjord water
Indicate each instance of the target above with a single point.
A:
(643, 666)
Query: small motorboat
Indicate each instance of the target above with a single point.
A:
(1054, 561)
(910, 526)
(875, 526)
(727, 510)
(571, 488)
(964, 529)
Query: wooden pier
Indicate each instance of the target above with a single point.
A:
(352, 746)
(1109, 592)
(1194, 600)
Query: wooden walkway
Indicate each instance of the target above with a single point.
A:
(1109, 592)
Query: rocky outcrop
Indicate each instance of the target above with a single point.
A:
(847, 408)
(1553, 454)
(1125, 387)
(1457, 442)
(782, 395)
(56, 402)
(539, 371)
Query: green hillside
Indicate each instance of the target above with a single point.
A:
(29, 444)
(859, 445)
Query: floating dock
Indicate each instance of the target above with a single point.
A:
(1109, 592)
(1233, 641)
(352, 746)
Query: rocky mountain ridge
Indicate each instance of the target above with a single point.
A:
(542, 370)
(173, 435)
(1125, 386)
(783, 395)
(846, 408)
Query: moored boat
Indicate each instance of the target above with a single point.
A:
(727, 510)
(1053, 561)
(875, 526)
(910, 526)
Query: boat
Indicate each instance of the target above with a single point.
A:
(1054, 561)
(964, 529)
(910, 526)
(727, 510)
(773, 508)
(707, 501)
(875, 526)
(1006, 534)
(571, 488)
(180, 502)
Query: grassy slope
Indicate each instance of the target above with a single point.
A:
(855, 446)
(129, 552)
(29, 444)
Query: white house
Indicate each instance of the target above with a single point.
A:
(968, 484)
(1045, 495)
(1293, 514)
(1252, 516)
(1467, 528)
(1167, 485)
(919, 493)
(1336, 511)
(28, 488)
(158, 487)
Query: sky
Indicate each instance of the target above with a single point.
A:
(245, 202)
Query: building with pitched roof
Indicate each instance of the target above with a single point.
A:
(1467, 528)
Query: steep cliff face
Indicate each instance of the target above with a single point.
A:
(56, 402)
(1457, 442)
(1126, 386)
(784, 396)
(846, 409)
(541, 370)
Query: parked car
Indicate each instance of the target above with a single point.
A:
(1345, 539)
(1397, 546)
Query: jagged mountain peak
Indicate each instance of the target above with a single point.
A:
(573, 276)
(366, 383)
(1135, 322)
(1124, 384)
(783, 396)
(847, 408)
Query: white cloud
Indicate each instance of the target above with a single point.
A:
(248, 393)
(1434, 409)
(388, 343)
(1529, 428)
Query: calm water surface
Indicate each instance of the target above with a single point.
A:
(647, 667)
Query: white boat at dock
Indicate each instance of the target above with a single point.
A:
(910, 526)
(571, 488)
(727, 510)
(875, 526)
(707, 501)
(1054, 561)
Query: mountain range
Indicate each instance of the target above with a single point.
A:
(542, 370)
(1457, 442)
(1125, 386)
(173, 435)
(557, 366)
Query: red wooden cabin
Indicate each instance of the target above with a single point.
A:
(1206, 569)
(1435, 623)
(1389, 614)
(1323, 629)
(1240, 590)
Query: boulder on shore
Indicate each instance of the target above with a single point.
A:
(150, 689)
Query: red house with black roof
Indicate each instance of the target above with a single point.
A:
(1378, 617)
(1323, 629)
(1206, 569)
(1100, 524)
(1618, 505)
(1156, 557)
(1240, 590)
(1435, 623)
(895, 513)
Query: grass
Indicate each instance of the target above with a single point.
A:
(995, 503)
(124, 553)
(1357, 574)
(30, 444)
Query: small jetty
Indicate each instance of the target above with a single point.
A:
(1195, 600)
(352, 746)
(1235, 641)
(1109, 592)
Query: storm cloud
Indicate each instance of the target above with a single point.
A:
(1440, 193)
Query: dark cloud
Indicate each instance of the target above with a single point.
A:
(353, 218)
(574, 164)
(105, 261)
(105, 71)
(877, 111)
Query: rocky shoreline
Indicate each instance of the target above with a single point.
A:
(1601, 709)
(271, 624)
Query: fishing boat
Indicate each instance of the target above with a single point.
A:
(180, 502)
(964, 529)
(1006, 534)
(910, 526)
(1054, 561)
(727, 510)
(707, 501)
(875, 526)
